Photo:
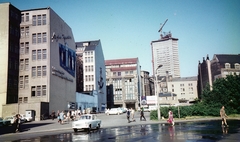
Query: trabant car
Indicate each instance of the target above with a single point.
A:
(86, 122)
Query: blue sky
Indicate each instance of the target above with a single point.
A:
(127, 27)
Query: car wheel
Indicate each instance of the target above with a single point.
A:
(75, 130)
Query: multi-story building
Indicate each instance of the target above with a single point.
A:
(91, 75)
(124, 75)
(9, 53)
(165, 53)
(219, 67)
(47, 63)
(185, 89)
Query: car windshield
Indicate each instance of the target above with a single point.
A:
(85, 117)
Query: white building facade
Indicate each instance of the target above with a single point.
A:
(93, 71)
(165, 53)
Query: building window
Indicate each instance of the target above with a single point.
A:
(22, 32)
(44, 54)
(44, 18)
(34, 55)
(119, 73)
(34, 20)
(34, 38)
(20, 100)
(237, 66)
(39, 70)
(190, 84)
(27, 32)
(38, 90)
(21, 48)
(39, 54)
(39, 20)
(33, 89)
(44, 70)
(25, 99)
(21, 82)
(181, 85)
(22, 18)
(44, 90)
(26, 64)
(44, 36)
(21, 64)
(27, 17)
(27, 48)
(227, 66)
(39, 38)
(26, 80)
(114, 73)
(33, 71)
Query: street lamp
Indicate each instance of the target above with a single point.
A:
(156, 92)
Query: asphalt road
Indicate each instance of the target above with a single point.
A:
(117, 128)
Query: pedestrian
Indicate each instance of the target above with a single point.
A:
(128, 115)
(53, 115)
(17, 123)
(58, 116)
(170, 117)
(68, 116)
(61, 116)
(142, 114)
(223, 116)
(132, 114)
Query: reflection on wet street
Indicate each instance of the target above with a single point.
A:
(205, 131)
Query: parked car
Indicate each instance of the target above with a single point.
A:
(124, 110)
(114, 111)
(10, 118)
(25, 118)
(4, 122)
(86, 122)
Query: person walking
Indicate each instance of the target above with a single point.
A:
(17, 122)
(170, 117)
(142, 114)
(53, 115)
(132, 114)
(223, 116)
(128, 115)
(61, 116)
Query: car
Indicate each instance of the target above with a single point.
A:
(86, 122)
(124, 110)
(114, 111)
(25, 118)
(10, 118)
(4, 122)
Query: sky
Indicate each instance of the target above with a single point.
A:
(127, 27)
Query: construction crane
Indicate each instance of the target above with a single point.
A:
(162, 26)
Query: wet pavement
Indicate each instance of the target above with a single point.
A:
(116, 128)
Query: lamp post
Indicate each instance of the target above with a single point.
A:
(156, 92)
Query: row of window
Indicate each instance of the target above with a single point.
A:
(24, 48)
(236, 66)
(23, 81)
(128, 97)
(120, 73)
(39, 71)
(39, 38)
(23, 100)
(182, 85)
(37, 91)
(24, 32)
(89, 68)
(89, 78)
(89, 87)
(88, 59)
(38, 20)
(39, 54)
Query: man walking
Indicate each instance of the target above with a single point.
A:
(142, 115)
(223, 116)
(128, 115)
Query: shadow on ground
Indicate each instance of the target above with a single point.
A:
(23, 127)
